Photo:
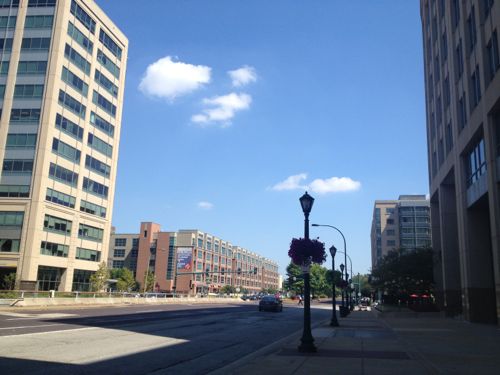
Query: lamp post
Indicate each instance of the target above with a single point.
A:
(347, 276)
(345, 246)
(334, 322)
(342, 292)
(307, 341)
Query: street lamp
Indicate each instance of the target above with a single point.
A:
(342, 292)
(307, 341)
(334, 322)
(345, 246)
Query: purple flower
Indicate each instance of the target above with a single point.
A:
(304, 250)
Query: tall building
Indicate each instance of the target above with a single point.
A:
(462, 85)
(190, 261)
(62, 78)
(402, 224)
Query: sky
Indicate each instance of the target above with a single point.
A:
(233, 109)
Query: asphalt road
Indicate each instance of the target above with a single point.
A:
(144, 339)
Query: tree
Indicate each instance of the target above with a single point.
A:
(9, 281)
(294, 282)
(319, 285)
(401, 273)
(125, 280)
(149, 278)
(99, 278)
(228, 289)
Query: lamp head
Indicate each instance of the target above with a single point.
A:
(306, 201)
(333, 251)
(342, 267)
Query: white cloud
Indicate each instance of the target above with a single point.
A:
(222, 108)
(334, 185)
(243, 76)
(291, 183)
(205, 205)
(320, 186)
(170, 79)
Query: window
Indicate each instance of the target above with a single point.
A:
(109, 43)
(92, 208)
(107, 63)
(72, 104)
(459, 60)
(6, 44)
(41, 3)
(38, 22)
(74, 81)
(103, 103)
(487, 5)
(69, 127)
(90, 233)
(17, 166)
(391, 243)
(9, 3)
(58, 173)
(60, 198)
(102, 124)
(118, 263)
(65, 150)
(446, 90)
(95, 188)
(31, 67)
(455, 6)
(475, 88)
(77, 59)
(8, 22)
(99, 145)
(28, 91)
(82, 16)
(80, 38)
(15, 191)
(97, 166)
(87, 254)
(105, 83)
(21, 141)
(120, 242)
(437, 74)
(444, 46)
(440, 152)
(119, 253)
(9, 245)
(449, 138)
(390, 221)
(57, 224)
(471, 28)
(492, 55)
(134, 252)
(4, 67)
(40, 44)
(26, 115)
(54, 249)
(462, 112)
(11, 218)
(476, 163)
(391, 232)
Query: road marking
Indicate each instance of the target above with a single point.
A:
(36, 316)
(148, 311)
(41, 325)
(44, 333)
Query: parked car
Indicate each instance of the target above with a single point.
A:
(270, 303)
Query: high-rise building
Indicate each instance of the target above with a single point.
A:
(190, 261)
(462, 85)
(62, 78)
(402, 224)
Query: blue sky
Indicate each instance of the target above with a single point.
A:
(233, 108)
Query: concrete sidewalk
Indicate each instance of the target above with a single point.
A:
(387, 343)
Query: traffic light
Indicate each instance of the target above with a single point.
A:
(239, 271)
(255, 270)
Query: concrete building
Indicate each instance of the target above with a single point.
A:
(462, 82)
(400, 224)
(62, 78)
(190, 261)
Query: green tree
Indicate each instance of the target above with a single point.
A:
(337, 275)
(149, 278)
(125, 280)
(294, 281)
(402, 273)
(228, 289)
(99, 278)
(319, 285)
(9, 281)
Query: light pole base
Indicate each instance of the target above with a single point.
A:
(334, 323)
(307, 347)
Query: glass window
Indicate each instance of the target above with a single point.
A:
(492, 55)
(58, 173)
(106, 62)
(21, 141)
(87, 254)
(54, 249)
(65, 150)
(74, 81)
(60, 198)
(9, 245)
(39, 44)
(92, 208)
(69, 127)
(8, 22)
(105, 83)
(471, 27)
(27, 115)
(90, 233)
(475, 88)
(11, 218)
(82, 16)
(97, 166)
(17, 166)
(476, 163)
(72, 104)
(28, 91)
(80, 38)
(57, 224)
(119, 253)
(103, 103)
(6, 44)
(15, 191)
(41, 3)
(9, 3)
(95, 188)
(31, 67)
(118, 263)
(102, 124)
(77, 59)
(120, 242)
(38, 22)
(110, 44)
(99, 145)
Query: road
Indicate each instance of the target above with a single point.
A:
(144, 339)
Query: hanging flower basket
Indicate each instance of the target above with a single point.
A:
(304, 251)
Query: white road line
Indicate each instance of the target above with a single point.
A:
(41, 325)
(44, 333)
(148, 311)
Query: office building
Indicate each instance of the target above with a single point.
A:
(62, 78)
(402, 224)
(190, 261)
(462, 86)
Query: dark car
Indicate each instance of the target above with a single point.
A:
(270, 303)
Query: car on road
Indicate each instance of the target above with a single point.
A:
(270, 303)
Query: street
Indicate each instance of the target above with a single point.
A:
(144, 339)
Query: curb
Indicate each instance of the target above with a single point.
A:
(229, 368)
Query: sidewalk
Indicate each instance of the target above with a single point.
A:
(388, 343)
